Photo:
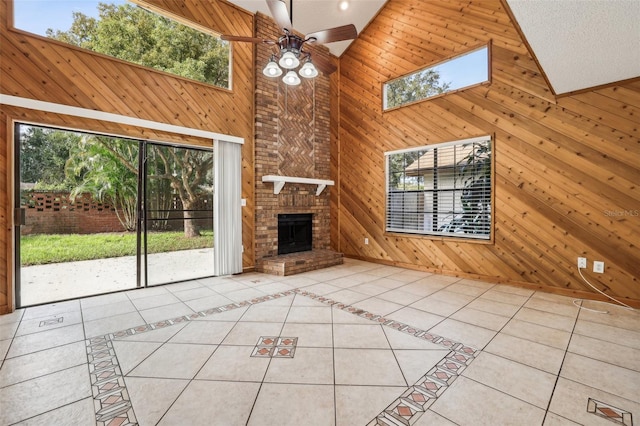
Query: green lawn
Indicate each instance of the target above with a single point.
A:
(42, 249)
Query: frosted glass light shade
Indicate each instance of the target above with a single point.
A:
(291, 78)
(272, 69)
(289, 61)
(308, 70)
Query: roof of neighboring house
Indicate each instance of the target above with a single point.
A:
(424, 164)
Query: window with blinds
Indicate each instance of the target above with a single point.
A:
(442, 189)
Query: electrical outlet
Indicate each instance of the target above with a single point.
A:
(598, 267)
(366, 241)
(582, 262)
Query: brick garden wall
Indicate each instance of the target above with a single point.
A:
(292, 139)
(55, 213)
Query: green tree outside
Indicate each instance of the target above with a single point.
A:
(43, 154)
(106, 168)
(414, 87)
(135, 35)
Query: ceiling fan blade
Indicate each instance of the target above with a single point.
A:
(247, 39)
(345, 32)
(323, 64)
(280, 14)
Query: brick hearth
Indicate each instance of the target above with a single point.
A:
(296, 263)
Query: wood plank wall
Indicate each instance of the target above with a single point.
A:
(37, 68)
(561, 165)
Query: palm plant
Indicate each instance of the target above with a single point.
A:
(103, 168)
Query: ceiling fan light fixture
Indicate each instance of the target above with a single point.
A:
(308, 70)
(291, 78)
(272, 69)
(289, 60)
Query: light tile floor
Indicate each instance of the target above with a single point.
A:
(356, 344)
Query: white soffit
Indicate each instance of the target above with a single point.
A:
(582, 43)
(315, 15)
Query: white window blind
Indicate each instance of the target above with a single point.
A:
(442, 189)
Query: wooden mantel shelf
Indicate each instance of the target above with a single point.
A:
(279, 181)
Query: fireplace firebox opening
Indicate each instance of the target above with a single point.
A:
(295, 232)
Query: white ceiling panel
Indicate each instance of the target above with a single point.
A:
(582, 43)
(314, 15)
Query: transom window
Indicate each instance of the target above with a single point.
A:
(125, 31)
(442, 190)
(457, 73)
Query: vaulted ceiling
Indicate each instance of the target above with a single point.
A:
(582, 43)
(579, 43)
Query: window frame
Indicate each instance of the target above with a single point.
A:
(383, 91)
(442, 235)
(150, 9)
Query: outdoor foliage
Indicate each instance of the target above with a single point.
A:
(43, 154)
(475, 172)
(136, 35)
(107, 169)
(188, 173)
(397, 177)
(414, 87)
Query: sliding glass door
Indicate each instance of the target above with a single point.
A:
(178, 213)
(96, 214)
(75, 211)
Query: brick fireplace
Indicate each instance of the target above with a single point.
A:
(292, 139)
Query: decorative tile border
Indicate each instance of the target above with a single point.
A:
(415, 401)
(113, 406)
(609, 412)
(275, 347)
(405, 328)
(412, 404)
(110, 396)
(191, 317)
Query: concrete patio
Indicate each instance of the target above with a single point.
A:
(62, 281)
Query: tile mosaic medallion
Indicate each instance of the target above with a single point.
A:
(275, 347)
(609, 412)
(113, 406)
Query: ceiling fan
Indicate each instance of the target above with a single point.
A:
(291, 46)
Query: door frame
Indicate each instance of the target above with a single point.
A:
(141, 280)
(52, 113)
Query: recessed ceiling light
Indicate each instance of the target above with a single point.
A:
(343, 4)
